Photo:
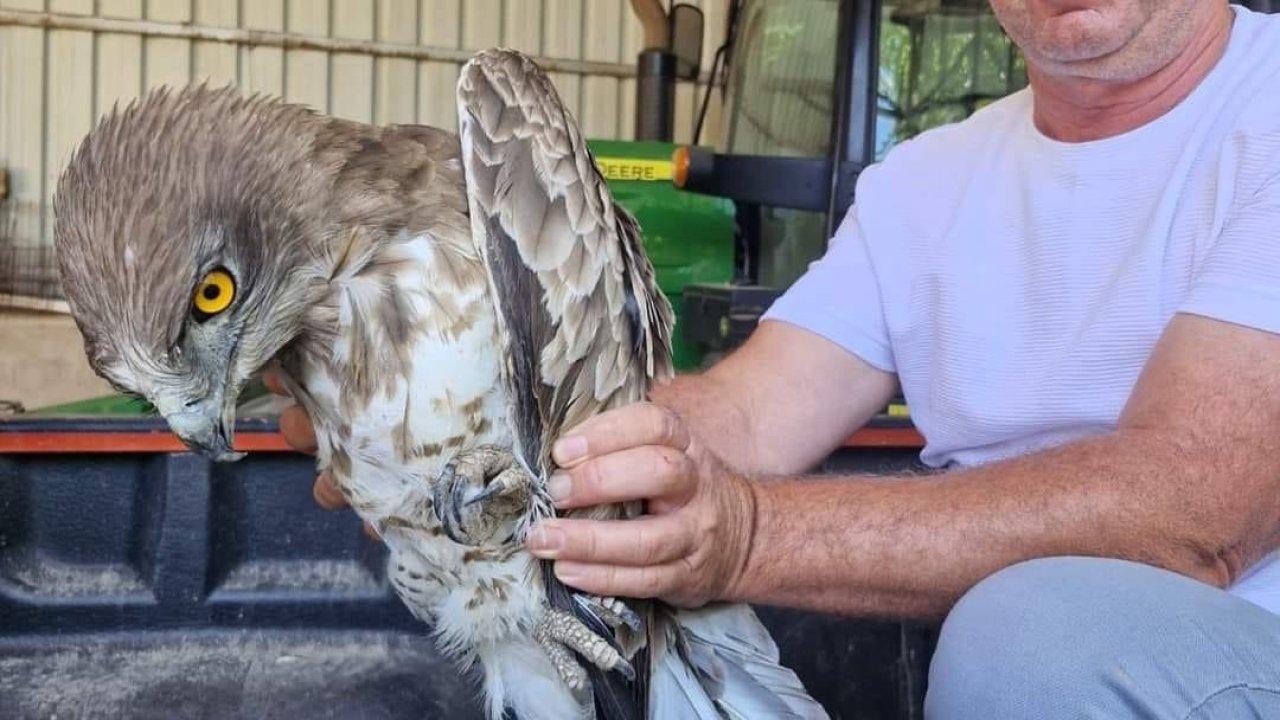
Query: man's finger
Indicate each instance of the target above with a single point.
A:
(326, 493)
(619, 429)
(370, 532)
(274, 383)
(651, 540)
(640, 473)
(619, 581)
(296, 428)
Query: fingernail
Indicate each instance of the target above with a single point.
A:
(568, 572)
(559, 486)
(568, 449)
(546, 541)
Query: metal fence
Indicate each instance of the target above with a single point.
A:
(28, 270)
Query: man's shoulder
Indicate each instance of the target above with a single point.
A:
(1246, 102)
(996, 116)
(958, 143)
(923, 177)
(1258, 35)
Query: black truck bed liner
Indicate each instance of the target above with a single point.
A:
(141, 583)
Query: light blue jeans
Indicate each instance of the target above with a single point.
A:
(1091, 638)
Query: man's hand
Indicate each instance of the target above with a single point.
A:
(693, 543)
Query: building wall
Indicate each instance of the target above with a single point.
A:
(54, 83)
(42, 361)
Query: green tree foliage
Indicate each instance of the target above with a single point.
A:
(940, 60)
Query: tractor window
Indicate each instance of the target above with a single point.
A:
(939, 61)
(780, 83)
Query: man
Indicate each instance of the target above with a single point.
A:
(1077, 289)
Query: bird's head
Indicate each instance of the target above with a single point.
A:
(187, 228)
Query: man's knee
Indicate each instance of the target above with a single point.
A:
(1029, 632)
(1091, 637)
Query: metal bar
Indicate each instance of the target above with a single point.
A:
(775, 181)
(23, 443)
(61, 443)
(289, 41)
(860, 145)
(853, 133)
(906, 437)
(656, 95)
(28, 302)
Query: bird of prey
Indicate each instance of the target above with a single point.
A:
(443, 307)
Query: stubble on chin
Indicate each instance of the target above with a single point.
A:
(1122, 43)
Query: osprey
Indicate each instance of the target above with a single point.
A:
(443, 307)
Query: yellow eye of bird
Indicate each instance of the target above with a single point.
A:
(214, 293)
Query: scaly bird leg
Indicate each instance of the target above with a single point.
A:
(558, 632)
(481, 493)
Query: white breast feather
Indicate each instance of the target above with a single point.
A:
(430, 572)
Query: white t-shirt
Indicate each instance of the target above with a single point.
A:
(1017, 284)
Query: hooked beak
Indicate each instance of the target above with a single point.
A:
(206, 427)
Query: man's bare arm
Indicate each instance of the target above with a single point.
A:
(1189, 481)
(780, 403)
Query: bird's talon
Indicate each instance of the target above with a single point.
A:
(484, 495)
(466, 495)
(558, 631)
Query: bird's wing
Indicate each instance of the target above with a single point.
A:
(582, 322)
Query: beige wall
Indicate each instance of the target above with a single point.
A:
(42, 361)
(55, 82)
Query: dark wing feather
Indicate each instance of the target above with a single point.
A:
(583, 324)
(566, 263)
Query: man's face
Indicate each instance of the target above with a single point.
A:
(1118, 40)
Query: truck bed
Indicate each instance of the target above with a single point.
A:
(140, 581)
